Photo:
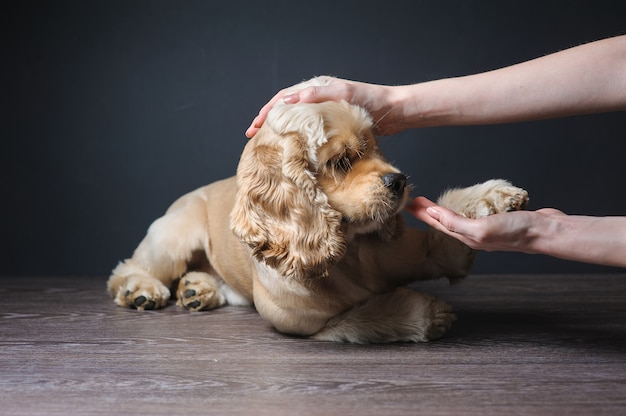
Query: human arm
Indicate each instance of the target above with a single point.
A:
(377, 99)
(585, 79)
(598, 240)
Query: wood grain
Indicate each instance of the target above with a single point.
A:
(522, 345)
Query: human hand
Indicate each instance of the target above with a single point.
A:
(374, 98)
(511, 231)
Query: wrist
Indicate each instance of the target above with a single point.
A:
(546, 230)
(385, 103)
(427, 104)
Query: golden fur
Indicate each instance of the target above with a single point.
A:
(310, 233)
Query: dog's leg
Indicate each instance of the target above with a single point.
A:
(491, 197)
(402, 315)
(143, 281)
(488, 198)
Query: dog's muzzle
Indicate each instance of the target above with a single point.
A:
(395, 182)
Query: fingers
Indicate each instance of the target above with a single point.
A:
(426, 211)
(316, 94)
(260, 119)
(254, 127)
(550, 211)
(450, 222)
(311, 94)
(306, 95)
(418, 208)
(440, 218)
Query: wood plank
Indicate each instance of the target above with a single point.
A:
(522, 344)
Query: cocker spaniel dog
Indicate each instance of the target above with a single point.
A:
(310, 233)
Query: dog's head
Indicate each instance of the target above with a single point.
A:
(310, 179)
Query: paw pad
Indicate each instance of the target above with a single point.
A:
(199, 291)
(142, 294)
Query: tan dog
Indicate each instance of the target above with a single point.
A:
(310, 233)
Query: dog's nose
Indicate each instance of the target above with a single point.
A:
(396, 182)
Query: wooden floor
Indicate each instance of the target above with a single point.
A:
(522, 345)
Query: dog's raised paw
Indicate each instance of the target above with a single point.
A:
(503, 197)
(517, 200)
(198, 291)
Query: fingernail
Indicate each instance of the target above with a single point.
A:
(291, 99)
(432, 212)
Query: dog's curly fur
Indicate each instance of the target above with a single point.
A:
(310, 233)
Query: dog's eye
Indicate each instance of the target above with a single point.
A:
(343, 163)
(339, 164)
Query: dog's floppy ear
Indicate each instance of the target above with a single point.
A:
(280, 211)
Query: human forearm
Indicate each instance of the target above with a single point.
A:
(599, 240)
(585, 79)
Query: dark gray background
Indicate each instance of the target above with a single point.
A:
(112, 109)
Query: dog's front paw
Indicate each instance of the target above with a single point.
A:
(441, 320)
(498, 196)
(510, 198)
(142, 293)
(199, 291)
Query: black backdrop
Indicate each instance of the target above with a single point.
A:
(112, 109)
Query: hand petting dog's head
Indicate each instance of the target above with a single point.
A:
(311, 179)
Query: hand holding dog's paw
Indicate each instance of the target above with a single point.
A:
(492, 197)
